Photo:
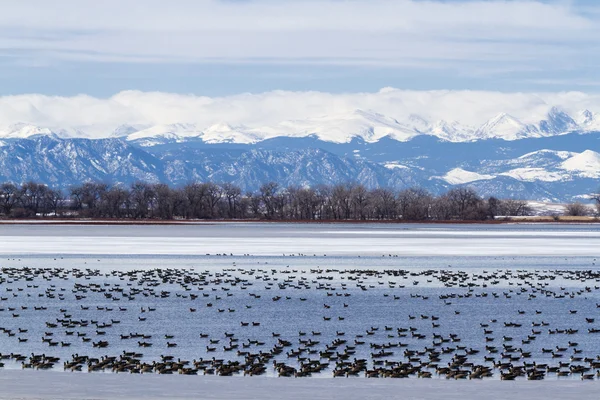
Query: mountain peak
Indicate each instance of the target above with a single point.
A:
(126, 130)
(24, 131)
(225, 133)
(557, 122)
(585, 117)
(507, 127)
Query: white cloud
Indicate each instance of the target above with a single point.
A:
(100, 116)
(430, 34)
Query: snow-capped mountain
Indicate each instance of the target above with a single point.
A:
(161, 134)
(504, 126)
(342, 128)
(367, 125)
(23, 131)
(555, 158)
(586, 164)
(555, 168)
(371, 127)
(558, 122)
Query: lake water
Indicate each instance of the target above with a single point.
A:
(364, 277)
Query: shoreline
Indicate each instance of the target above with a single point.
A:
(116, 222)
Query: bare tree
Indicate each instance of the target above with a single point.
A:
(341, 199)
(308, 203)
(442, 208)
(255, 204)
(514, 208)
(10, 196)
(53, 201)
(596, 198)
(324, 207)
(360, 202)
(32, 197)
(466, 204)
(576, 209)
(383, 202)
(115, 202)
(214, 194)
(268, 192)
(493, 207)
(87, 197)
(166, 201)
(194, 194)
(293, 208)
(141, 196)
(232, 195)
(414, 204)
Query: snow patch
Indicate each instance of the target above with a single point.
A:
(224, 133)
(560, 154)
(536, 174)
(586, 164)
(459, 176)
(395, 165)
(171, 132)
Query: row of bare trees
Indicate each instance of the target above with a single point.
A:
(209, 200)
(30, 199)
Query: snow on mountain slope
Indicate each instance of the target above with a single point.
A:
(504, 126)
(342, 128)
(548, 166)
(451, 131)
(395, 165)
(505, 172)
(371, 127)
(163, 133)
(459, 176)
(588, 121)
(557, 122)
(125, 130)
(536, 174)
(545, 152)
(224, 133)
(23, 131)
(586, 164)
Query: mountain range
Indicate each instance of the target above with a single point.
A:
(553, 159)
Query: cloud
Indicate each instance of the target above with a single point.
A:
(389, 33)
(99, 117)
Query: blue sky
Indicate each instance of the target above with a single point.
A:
(217, 48)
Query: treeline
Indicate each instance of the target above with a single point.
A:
(271, 202)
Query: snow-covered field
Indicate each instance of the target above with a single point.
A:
(549, 209)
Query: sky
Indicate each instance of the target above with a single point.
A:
(227, 47)
(94, 66)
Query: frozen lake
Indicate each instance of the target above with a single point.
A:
(416, 288)
(274, 239)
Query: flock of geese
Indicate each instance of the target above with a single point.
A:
(301, 322)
